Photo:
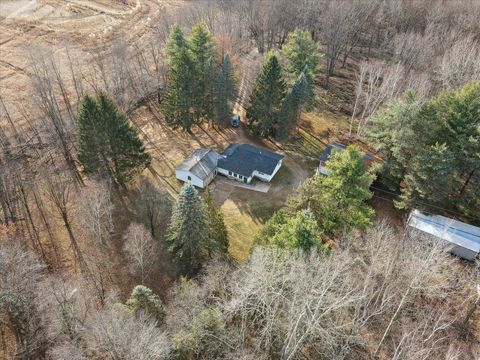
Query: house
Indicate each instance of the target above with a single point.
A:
(463, 239)
(242, 162)
(332, 149)
(199, 168)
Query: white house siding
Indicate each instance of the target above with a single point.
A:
(194, 180)
(266, 177)
(232, 175)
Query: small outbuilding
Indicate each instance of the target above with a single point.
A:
(242, 162)
(333, 148)
(199, 168)
(464, 239)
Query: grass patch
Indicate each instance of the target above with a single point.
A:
(262, 211)
(241, 230)
(283, 177)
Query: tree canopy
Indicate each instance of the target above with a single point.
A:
(338, 201)
(432, 149)
(266, 99)
(177, 102)
(303, 55)
(108, 143)
(196, 230)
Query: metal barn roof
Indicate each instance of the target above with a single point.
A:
(456, 232)
(201, 163)
(244, 159)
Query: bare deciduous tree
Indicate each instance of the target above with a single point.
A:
(94, 212)
(117, 334)
(152, 206)
(19, 276)
(461, 63)
(142, 250)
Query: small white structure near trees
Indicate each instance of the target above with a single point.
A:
(464, 238)
(199, 168)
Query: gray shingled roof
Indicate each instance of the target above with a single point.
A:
(201, 163)
(244, 159)
(335, 147)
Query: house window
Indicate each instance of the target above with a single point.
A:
(229, 173)
(189, 178)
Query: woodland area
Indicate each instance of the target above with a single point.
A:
(104, 256)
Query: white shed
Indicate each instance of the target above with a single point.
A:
(199, 168)
(464, 238)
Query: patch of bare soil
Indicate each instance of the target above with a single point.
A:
(52, 25)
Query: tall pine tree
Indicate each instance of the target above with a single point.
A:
(344, 192)
(301, 51)
(108, 144)
(224, 89)
(218, 235)
(187, 233)
(203, 57)
(291, 108)
(432, 176)
(266, 98)
(178, 102)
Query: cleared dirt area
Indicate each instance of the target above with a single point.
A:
(28, 27)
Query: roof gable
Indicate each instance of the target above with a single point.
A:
(201, 163)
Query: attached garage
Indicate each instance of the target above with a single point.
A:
(199, 168)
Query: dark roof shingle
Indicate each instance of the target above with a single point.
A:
(244, 159)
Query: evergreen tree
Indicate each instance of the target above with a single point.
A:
(196, 342)
(398, 135)
(302, 52)
(224, 90)
(203, 57)
(298, 232)
(145, 300)
(218, 234)
(337, 201)
(291, 108)
(430, 177)
(444, 131)
(107, 141)
(266, 98)
(187, 233)
(92, 142)
(178, 101)
(343, 194)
